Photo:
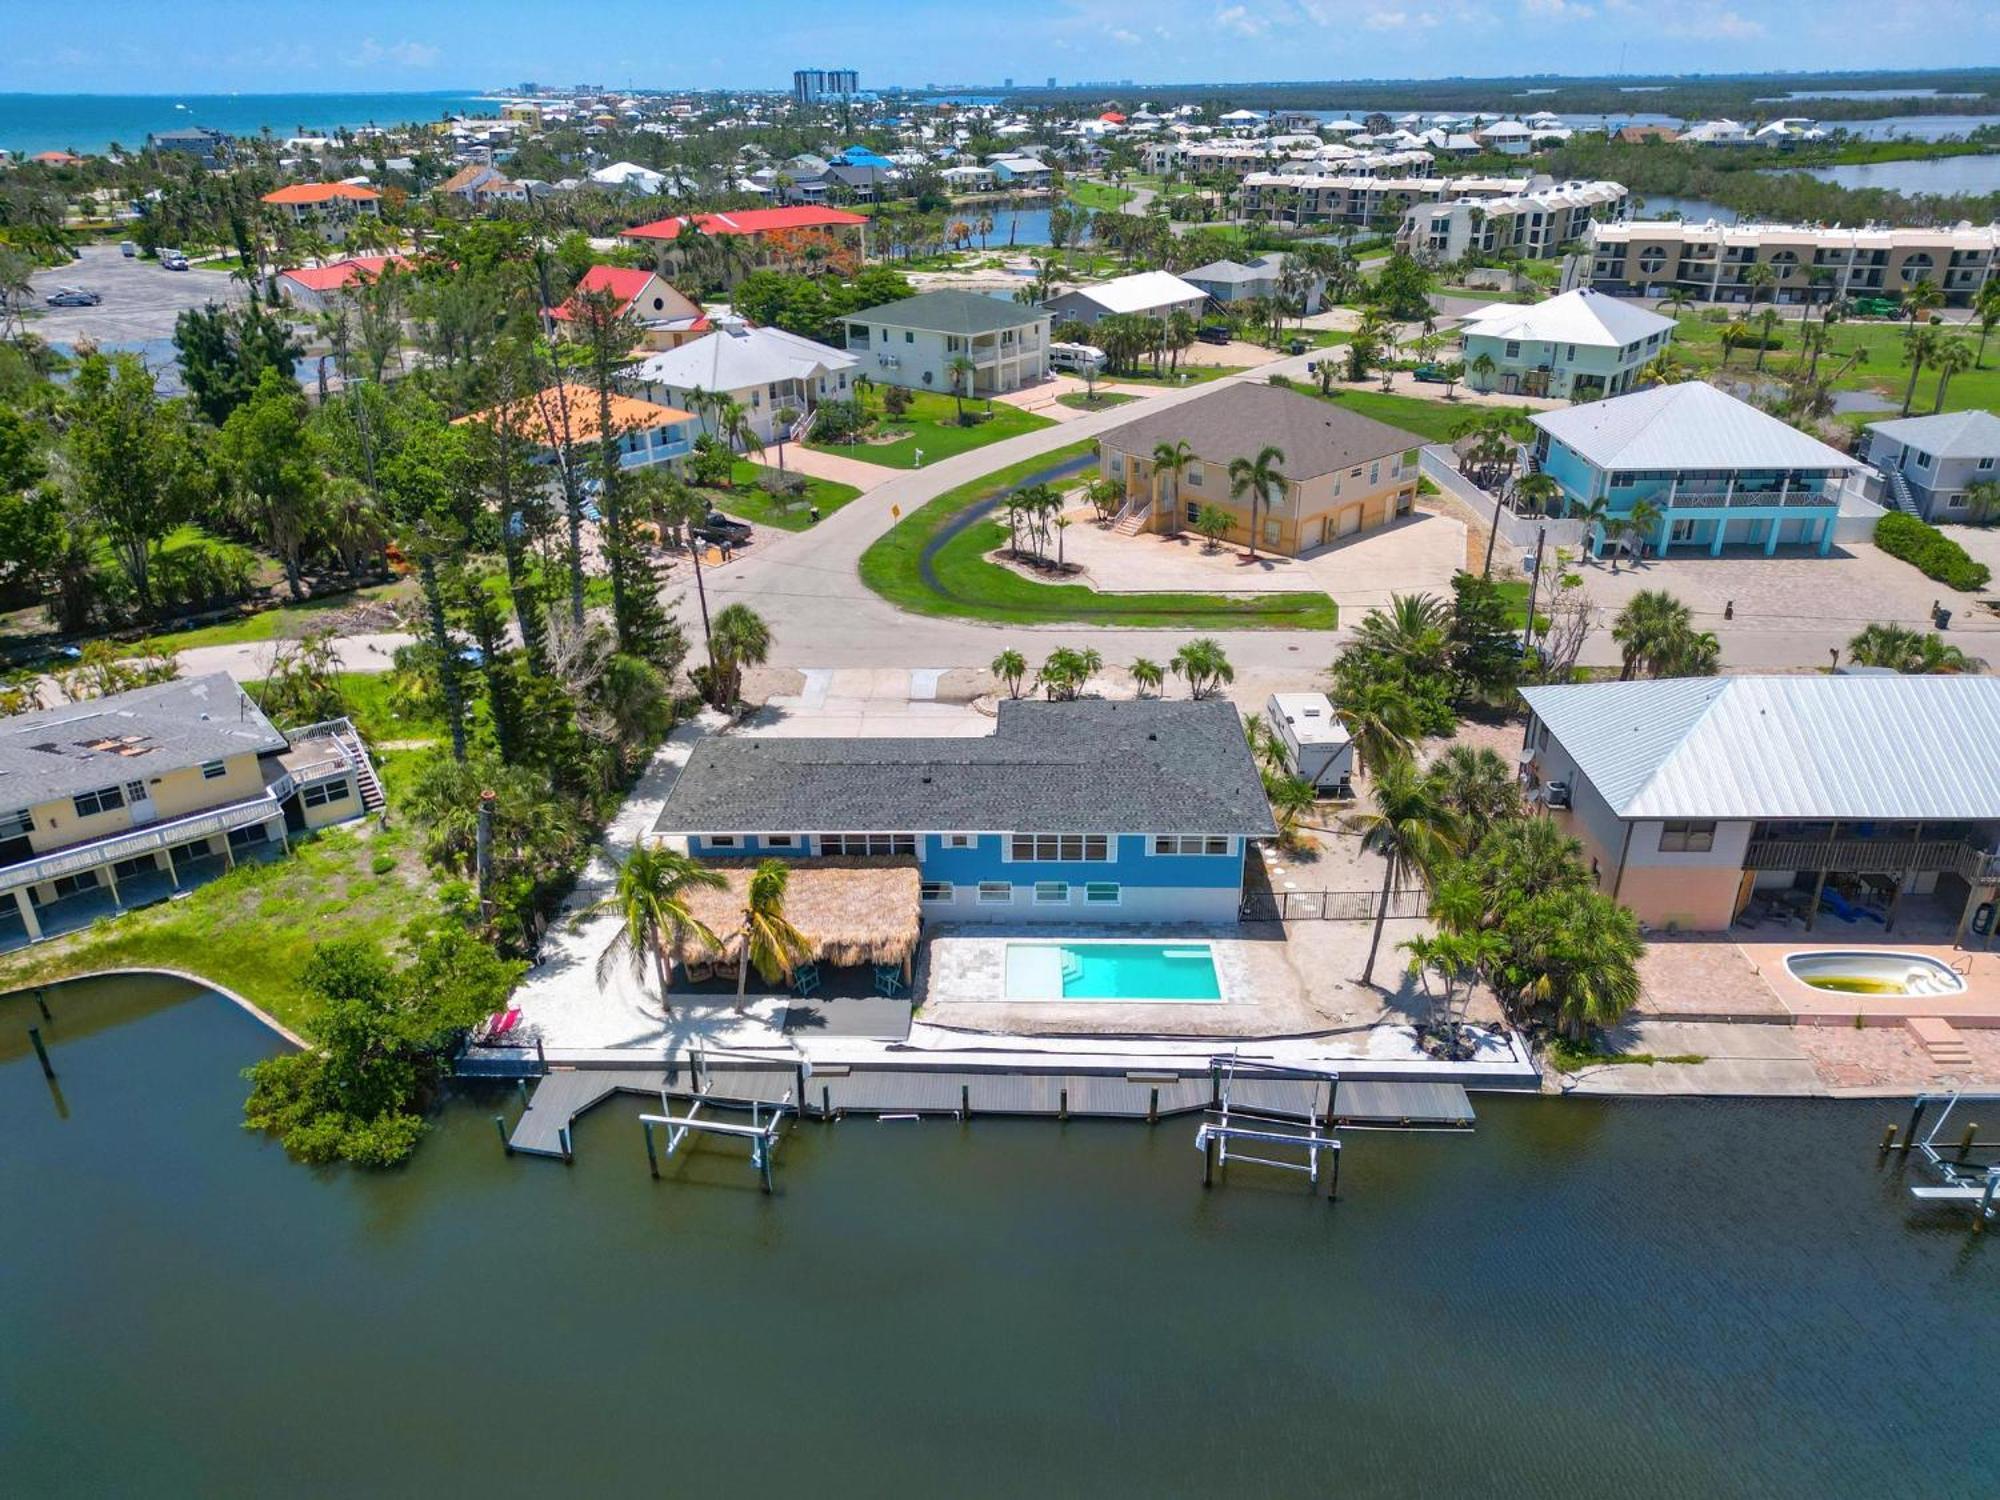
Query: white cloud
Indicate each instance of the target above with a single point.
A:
(1240, 19)
(1128, 38)
(372, 53)
(1559, 10)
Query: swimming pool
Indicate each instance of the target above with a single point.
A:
(1175, 972)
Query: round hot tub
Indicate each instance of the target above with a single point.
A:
(1875, 972)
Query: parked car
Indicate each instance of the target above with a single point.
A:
(719, 529)
(72, 296)
(173, 260)
(129, 249)
(1214, 333)
(1430, 375)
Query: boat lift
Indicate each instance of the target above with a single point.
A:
(766, 1120)
(1961, 1179)
(1228, 1123)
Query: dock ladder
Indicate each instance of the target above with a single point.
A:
(1228, 1124)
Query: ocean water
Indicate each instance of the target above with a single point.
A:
(91, 122)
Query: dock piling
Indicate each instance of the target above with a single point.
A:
(1153, 1108)
(42, 1052)
(1889, 1138)
(652, 1156)
(965, 1101)
(500, 1125)
(1062, 1105)
(1966, 1140)
(42, 1003)
(568, 1150)
(825, 1103)
(1910, 1135)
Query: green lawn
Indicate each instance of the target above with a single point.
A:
(251, 930)
(1429, 420)
(268, 625)
(930, 426)
(748, 503)
(1185, 375)
(1099, 197)
(1881, 368)
(1081, 401)
(970, 587)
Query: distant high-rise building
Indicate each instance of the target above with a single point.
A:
(812, 85)
(1052, 80)
(1006, 83)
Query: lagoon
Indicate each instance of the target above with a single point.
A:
(1642, 1298)
(1937, 174)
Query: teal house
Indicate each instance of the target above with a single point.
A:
(1581, 346)
(1712, 472)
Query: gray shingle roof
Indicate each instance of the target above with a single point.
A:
(1316, 437)
(963, 313)
(1784, 747)
(135, 736)
(1141, 767)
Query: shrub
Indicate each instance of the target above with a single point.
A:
(1931, 552)
(785, 486)
(895, 400)
(382, 864)
(839, 421)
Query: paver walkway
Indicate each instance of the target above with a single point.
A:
(838, 467)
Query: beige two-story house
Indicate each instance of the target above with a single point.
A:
(125, 800)
(1345, 474)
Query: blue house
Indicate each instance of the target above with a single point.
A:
(1716, 471)
(1068, 812)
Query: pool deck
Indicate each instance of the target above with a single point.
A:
(1977, 1007)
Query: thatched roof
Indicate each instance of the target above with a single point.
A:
(852, 911)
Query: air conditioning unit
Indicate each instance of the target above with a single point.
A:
(1558, 794)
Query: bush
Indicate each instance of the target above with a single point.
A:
(839, 421)
(1931, 552)
(895, 400)
(382, 864)
(786, 486)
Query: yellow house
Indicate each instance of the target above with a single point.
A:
(1344, 474)
(125, 800)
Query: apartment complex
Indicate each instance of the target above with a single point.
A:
(325, 208)
(1536, 224)
(1344, 473)
(773, 238)
(1811, 262)
(814, 85)
(122, 801)
(1356, 198)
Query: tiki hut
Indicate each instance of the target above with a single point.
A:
(851, 910)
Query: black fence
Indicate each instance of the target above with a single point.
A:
(1328, 906)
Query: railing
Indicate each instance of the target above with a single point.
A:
(1730, 498)
(150, 839)
(1328, 906)
(1873, 856)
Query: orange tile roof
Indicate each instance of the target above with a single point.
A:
(542, 417)
(342, 273)
(747, 221)
(322, 192)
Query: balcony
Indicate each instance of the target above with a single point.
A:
(1729, 497)
(153, 837)
(1853, 856)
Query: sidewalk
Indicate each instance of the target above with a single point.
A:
(835, 466)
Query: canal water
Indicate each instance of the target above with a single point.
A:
(1937, 174)
(1638, 1298)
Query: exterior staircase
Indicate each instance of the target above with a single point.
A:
(1133, 522)
(365, 779)
(1940, 1041)
(1896, 493)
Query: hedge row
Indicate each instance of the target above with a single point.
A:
(1926, 548)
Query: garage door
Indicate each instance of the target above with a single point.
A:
(1349, 521)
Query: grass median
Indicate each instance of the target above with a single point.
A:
(968, 586)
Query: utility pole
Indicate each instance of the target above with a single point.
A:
(1534, 587)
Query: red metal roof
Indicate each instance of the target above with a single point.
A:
(342, 273)
(322, 192)
(747, 221)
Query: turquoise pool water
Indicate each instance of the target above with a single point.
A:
(1112, 971)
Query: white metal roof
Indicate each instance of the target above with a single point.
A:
(1142, 292)
(1952, 434)
(1682, 427)
(1851, 748)
(731, 359)
(1579, 317)
(1310, 717)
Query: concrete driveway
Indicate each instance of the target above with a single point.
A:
(141, 301)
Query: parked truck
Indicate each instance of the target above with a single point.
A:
(1316, 744)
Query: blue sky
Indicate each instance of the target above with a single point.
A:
(282, 45)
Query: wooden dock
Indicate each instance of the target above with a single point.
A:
(832, 1092)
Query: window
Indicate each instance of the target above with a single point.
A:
(1570, 352)
(243, 838)
(995, 893)
(1513, 348)
(1051, 893)
(89, 804)
(868, 843)
(323, 792)
(958, 841)
(1682, 836)
(909, 337)
(1189, 843)
(16, 825)
(69, 885)
(778, 841)
(721, 841)
(213, 770)
(938, 890)
(1985, 464)
(1193, 512)
(1100, 893)
(141, 864)
(1923, 460)
(135, 791)
(1375, 472)
(1193, 475)
(1070, 846)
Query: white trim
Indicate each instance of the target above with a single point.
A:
(1051, 900)
(987, 898)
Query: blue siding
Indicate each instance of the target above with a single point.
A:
(1133, 862)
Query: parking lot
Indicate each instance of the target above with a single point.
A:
(141, 300)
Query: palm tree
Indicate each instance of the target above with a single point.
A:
(654, 917)
(1010, 667)
(1169, 460)
(1768, 318)
(1291, 798)
(768, 941)
(1734, 333)
(1986, 311)
(1147, 676)
(740, 639)
(1202, 663)
(1257, 477)
(1901, 649)
(1477, 785)
(1953, 357)
(963, 372)
(1922, 296)
(1412, 630)
(1577, 951)
(1483, 367)
(1381, 722)
(1655, 631)
(1982, 501)
(1920, 347)
(1412, 831)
